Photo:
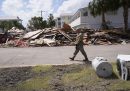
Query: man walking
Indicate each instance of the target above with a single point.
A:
(79, 47)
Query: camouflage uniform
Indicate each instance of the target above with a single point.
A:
(79, 47)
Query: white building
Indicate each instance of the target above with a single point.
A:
(64, 18)
(83, 19)
(58, 22)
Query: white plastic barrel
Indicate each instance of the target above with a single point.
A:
(102, 67)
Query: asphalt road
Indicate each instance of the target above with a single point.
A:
(10, 57)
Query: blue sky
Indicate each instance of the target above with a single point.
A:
(26, 9)
(56, 4)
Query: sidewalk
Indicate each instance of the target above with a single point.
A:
(56, 55)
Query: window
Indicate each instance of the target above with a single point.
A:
(69, 18)
(59, 19)
(85, 13)
(59, 23)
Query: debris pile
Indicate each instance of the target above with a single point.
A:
(3, 37)
(17, 33)
(108, 37)
(41, 37)
(49, 37)
(60, 37)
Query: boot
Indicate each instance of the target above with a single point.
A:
(71, 58)
(86, 59)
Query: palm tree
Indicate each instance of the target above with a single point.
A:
(100, 7)
(96, 8)
(125, 4)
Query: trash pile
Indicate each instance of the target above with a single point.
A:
(16, 33)
(108, 37)
(49, 37)
(60, 37)
(41, 37)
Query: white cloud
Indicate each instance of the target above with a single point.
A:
(36, 5)
(71, 6)
(11, 7)
(26, 9)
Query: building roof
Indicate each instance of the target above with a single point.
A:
(66, 14)
(3, 18)
(80, 10)
(63, 15)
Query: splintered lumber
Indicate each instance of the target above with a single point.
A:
(33, 34)
(49, 42)
(66, 35)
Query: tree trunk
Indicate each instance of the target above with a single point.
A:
(125, 15)
(104, 26)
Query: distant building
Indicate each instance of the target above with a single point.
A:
(11, 19)
(83, 19)
(64, 18)
(58, 22)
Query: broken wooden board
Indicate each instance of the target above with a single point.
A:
(66, 35)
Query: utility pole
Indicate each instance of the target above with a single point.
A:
(41, 12)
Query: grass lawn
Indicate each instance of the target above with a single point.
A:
(75, 77)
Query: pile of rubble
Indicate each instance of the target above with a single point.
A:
(108, 37)
(47, 36)
(61, 37)
(50, 37)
